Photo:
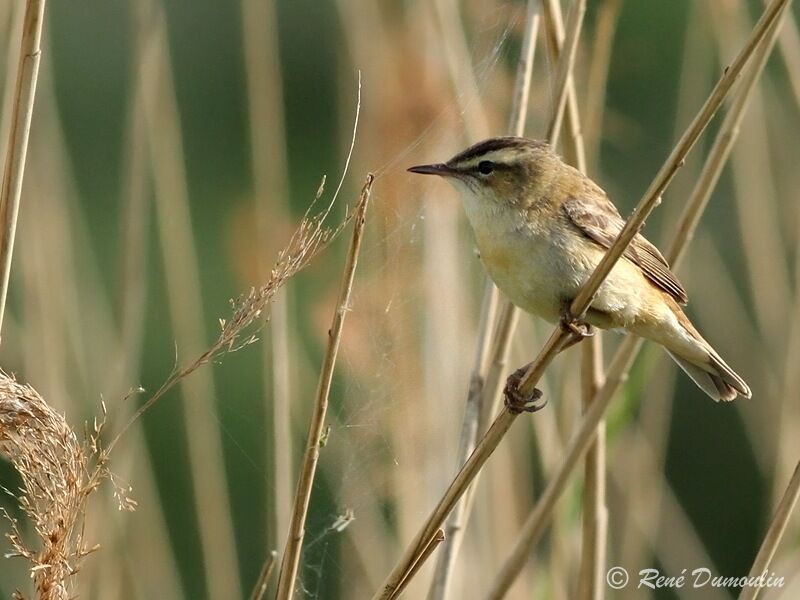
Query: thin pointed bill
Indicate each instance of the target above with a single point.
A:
(437, 169)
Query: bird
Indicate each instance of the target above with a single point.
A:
(541, 227)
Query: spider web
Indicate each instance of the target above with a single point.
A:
(395, 424)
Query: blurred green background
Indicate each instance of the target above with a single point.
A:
(723, 466)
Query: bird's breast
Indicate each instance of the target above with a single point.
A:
(527, 265)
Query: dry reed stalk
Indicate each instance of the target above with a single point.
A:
(444, 317)
(597, 79)
(10, 29)
(294, 542)
(522, 87)
(269, 168)
(456, 523)
(563, 80)
(17, 145)
(774, 534)
(580, 442)
(54, 467)
(283, 481)
(574, 150)
(262, 582)
(761, 39)
(591, 577)
(411, 558)
(434, 542)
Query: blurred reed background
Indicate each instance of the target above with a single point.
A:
(174, 148)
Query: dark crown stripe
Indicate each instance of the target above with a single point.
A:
(491, 145)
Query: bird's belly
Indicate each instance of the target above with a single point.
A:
(540, 274)
(530, 273)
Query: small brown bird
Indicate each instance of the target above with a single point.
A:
(542, 227)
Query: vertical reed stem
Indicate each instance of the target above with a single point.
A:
(294, 542)
(17, 146)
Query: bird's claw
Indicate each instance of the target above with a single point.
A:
(518, 403)
(577, 329)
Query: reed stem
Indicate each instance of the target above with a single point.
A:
(17, 148)
(294, 541)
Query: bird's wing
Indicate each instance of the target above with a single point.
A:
(599, 220)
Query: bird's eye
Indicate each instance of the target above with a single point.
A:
(486, 167)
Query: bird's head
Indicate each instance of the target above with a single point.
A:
(502, 171)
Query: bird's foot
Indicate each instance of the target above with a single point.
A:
(577, 329)
(515, 401)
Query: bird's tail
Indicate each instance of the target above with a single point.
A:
(700, 361)
(714, 377)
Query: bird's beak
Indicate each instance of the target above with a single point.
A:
(437, 169)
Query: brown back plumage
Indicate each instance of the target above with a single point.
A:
(599, 220)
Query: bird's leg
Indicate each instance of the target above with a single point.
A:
(577, 329)
(515, 401)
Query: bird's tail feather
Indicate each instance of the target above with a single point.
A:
(694, 354)
(698, 359)
(716, 379)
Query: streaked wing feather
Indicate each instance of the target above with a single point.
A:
(600, 221)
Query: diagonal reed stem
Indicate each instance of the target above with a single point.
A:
(17, 148)
(774, 534)
(763, 35)
(294, 541)
(260, 587)
(433, 543)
